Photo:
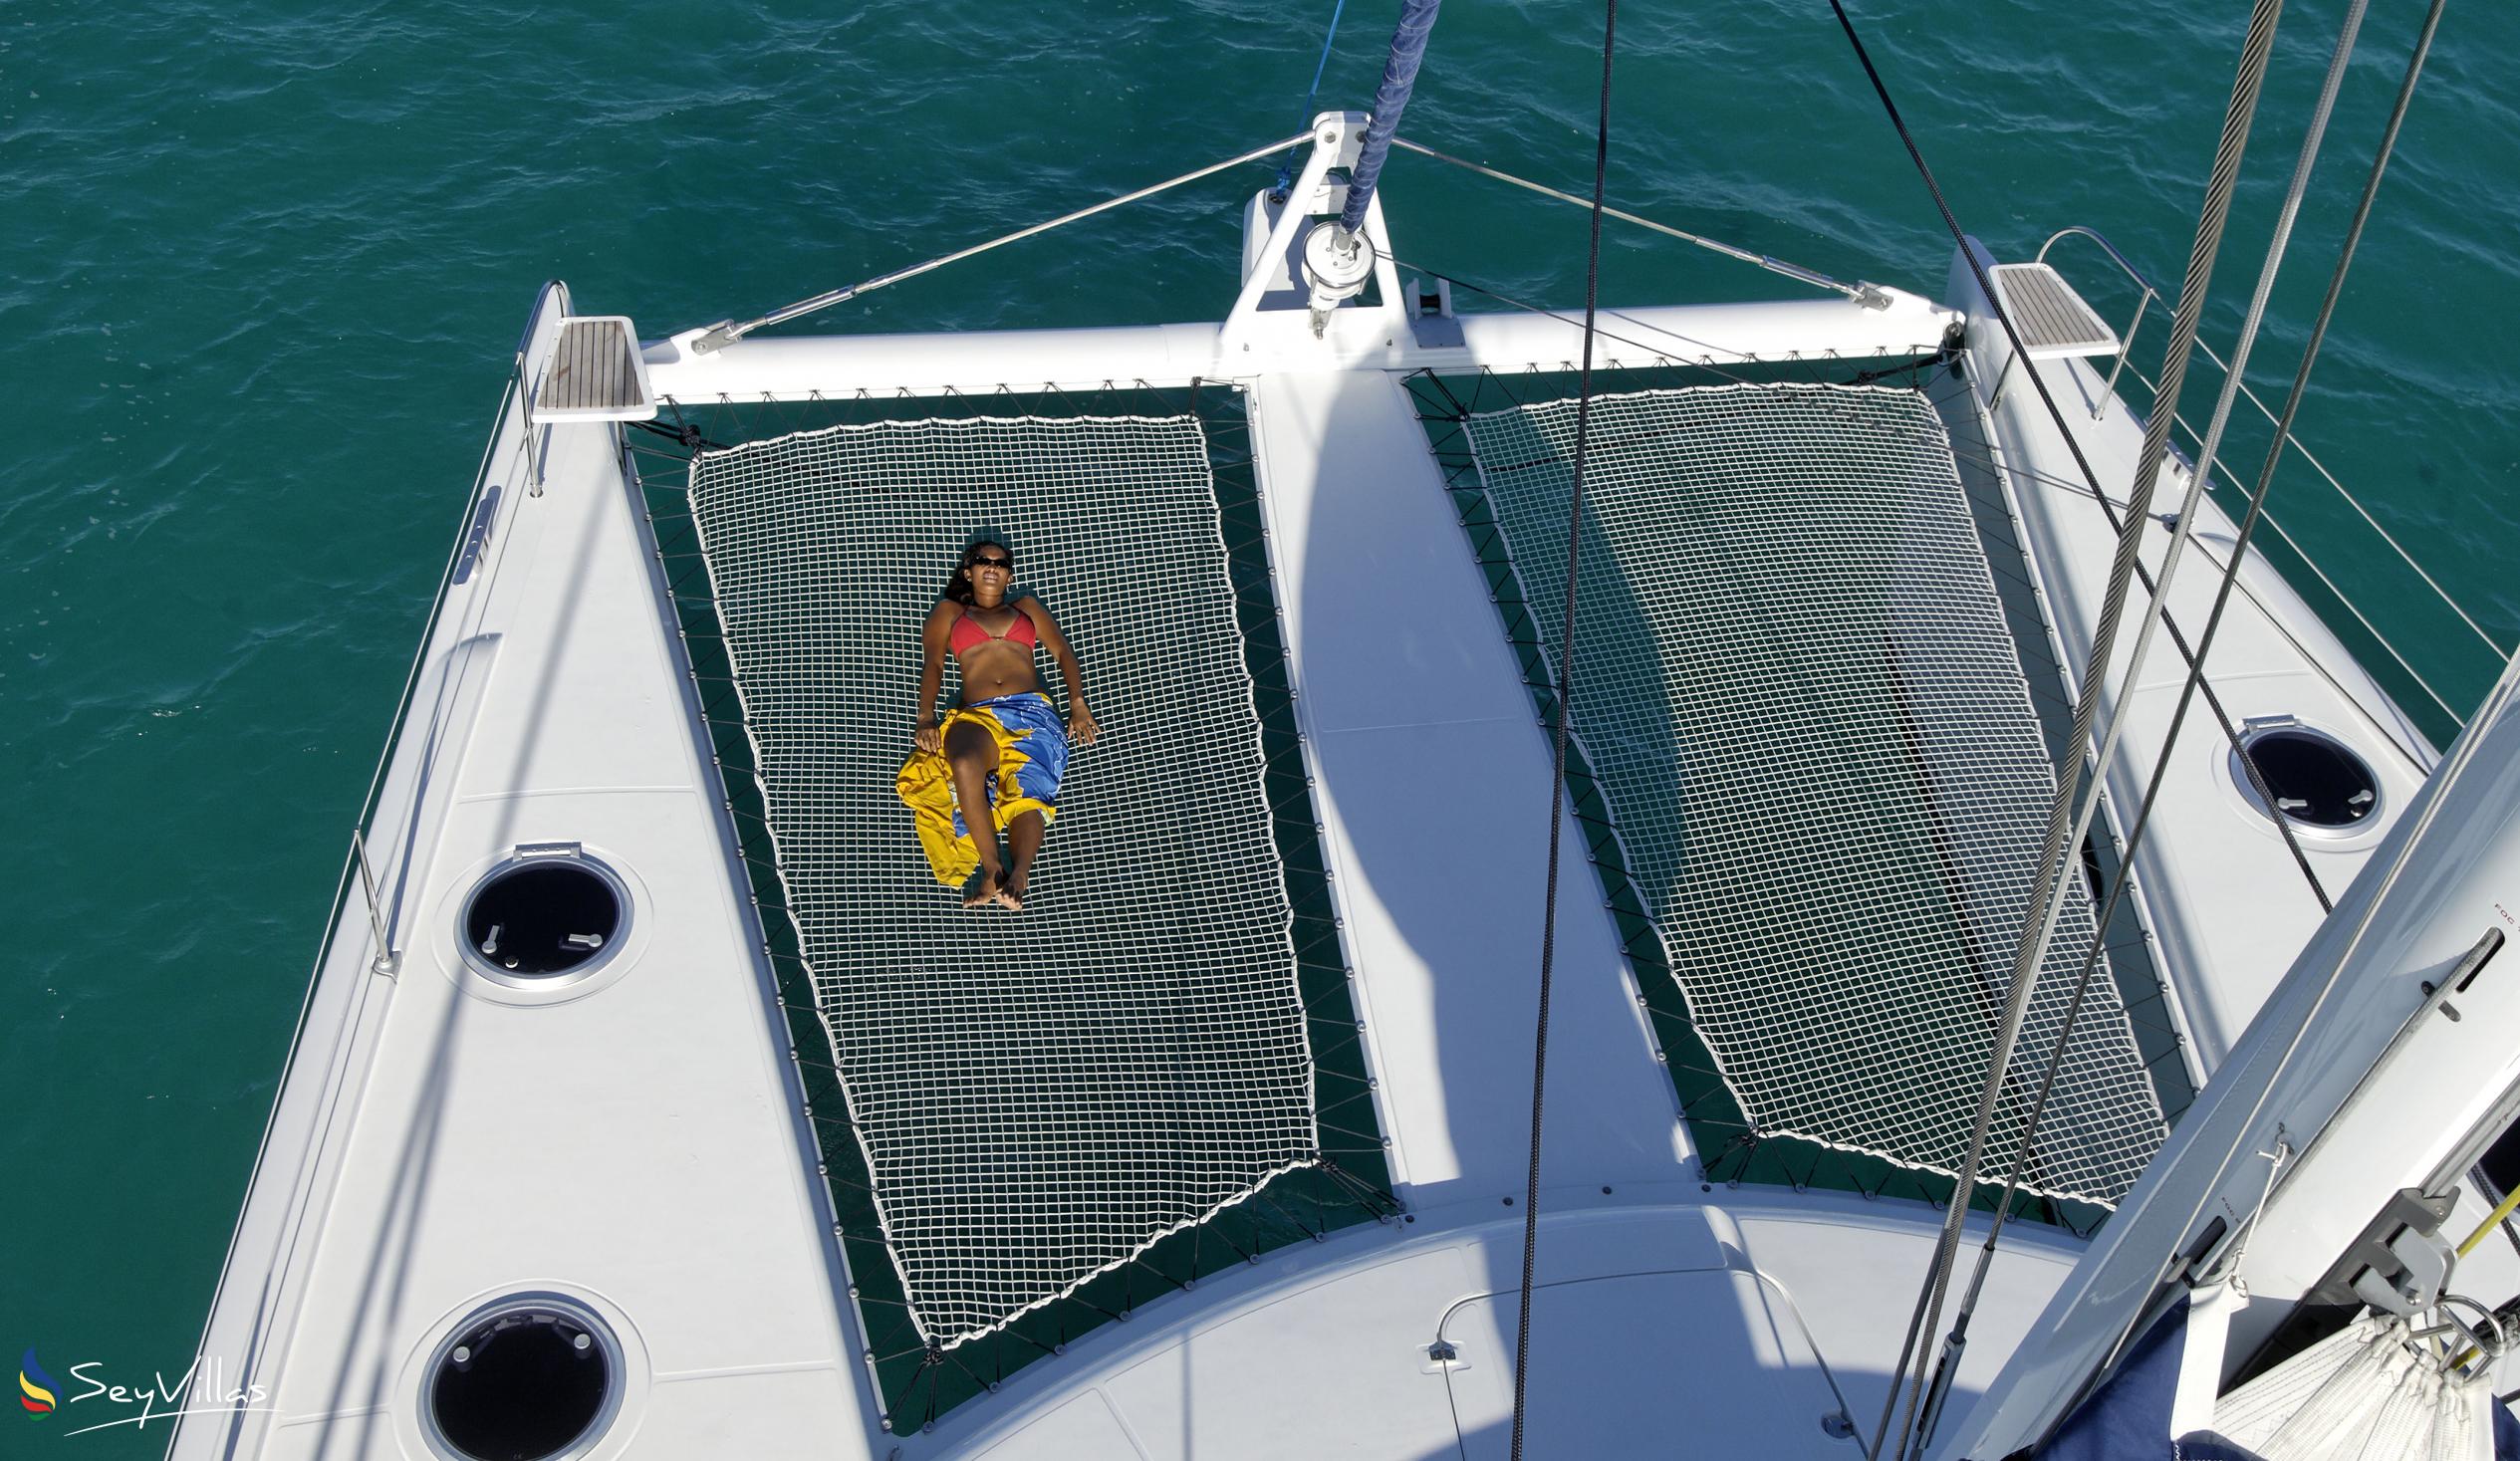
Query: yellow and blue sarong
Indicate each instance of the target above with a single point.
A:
(1032, 755)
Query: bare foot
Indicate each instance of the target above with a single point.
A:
(1011, 896)
(988, 893)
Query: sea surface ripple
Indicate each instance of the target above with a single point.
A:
(265, 262)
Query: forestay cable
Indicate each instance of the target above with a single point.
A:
(1400, 79)
(1558, 738)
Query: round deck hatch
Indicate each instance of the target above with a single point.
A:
(544, 918)
(2319, 783)
(529, 1378)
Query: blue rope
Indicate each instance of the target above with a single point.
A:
(1286, 172)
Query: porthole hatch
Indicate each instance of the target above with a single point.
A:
(528, 1378)
(2319, 783)
(542, 916)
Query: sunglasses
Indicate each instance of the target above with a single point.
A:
(995, 563)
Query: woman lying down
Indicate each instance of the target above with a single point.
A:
(1002, 750)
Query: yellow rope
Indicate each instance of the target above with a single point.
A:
(2489, 1224)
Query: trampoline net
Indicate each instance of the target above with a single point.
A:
(1039, 1097)
(1797, 693)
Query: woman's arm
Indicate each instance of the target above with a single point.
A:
(1080, 726)
(931, 673)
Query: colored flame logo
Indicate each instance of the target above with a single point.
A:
(34, 1390)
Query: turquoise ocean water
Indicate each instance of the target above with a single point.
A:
(260, 265)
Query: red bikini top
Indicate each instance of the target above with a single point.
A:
(967, 631)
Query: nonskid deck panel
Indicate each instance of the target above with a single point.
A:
(596, 373)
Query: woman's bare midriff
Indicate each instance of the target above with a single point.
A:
(998, 668)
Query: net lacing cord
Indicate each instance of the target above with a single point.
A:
(1313, 932)
(958, 1289)
(2047, 892)
(1660, 356)
(1537, 438)
(1949, 704)
(1847, 409)
(1558, 741)
(2346, 36)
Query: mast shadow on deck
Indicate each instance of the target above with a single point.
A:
(1803, 785)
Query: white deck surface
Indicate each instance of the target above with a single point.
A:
(2223, 899)
(1433, 775)
(1689, 1330)
(1665, 1320)
(831, 366)
(639, 1143)
(636, 1146)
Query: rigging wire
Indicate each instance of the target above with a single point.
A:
(1558, 738)
(2274, 457)
(2111, 507)
(2337, 591)
(2501, 655)
(1863, 294)
(2391, 732)
(1956, 1343)
(726, 331)
(2047, 893)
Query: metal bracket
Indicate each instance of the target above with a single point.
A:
(485, 516)
(2400, 1264)
(386, 960)
(1303, 282)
